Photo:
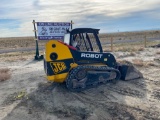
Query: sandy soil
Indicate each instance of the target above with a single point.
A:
(28, 96)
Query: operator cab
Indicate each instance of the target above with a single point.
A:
(67, 40)
(84, 39)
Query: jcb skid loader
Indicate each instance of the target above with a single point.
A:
(80, 61)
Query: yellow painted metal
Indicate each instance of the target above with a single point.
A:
(58, 67)
(62, 50)
(57, 78)
(63, 53)
(61, 77)
(73, 65)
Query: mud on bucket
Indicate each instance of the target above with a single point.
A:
(129, 72)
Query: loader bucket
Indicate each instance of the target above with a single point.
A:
(129, 72)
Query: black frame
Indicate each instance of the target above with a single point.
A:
(81, 31)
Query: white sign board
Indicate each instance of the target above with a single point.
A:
(52, 30)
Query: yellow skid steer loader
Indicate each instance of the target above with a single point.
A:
(80, 61)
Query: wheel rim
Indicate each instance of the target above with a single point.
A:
(81, 74)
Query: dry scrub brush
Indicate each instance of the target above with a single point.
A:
(4, 74)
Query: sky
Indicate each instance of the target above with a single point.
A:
(16, 16)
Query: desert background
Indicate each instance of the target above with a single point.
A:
(26, 95)
(120, 38)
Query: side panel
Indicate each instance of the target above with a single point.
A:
(61, 49)
(94, 57)
(57, 69)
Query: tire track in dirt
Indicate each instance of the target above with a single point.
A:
(156, 94)
(93, 103)
(117, 111)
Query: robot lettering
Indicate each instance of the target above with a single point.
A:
(88, 55)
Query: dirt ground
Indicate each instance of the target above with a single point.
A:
(28, 96)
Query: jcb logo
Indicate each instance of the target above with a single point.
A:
(58, 66)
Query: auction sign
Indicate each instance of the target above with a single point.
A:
(52, 30)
